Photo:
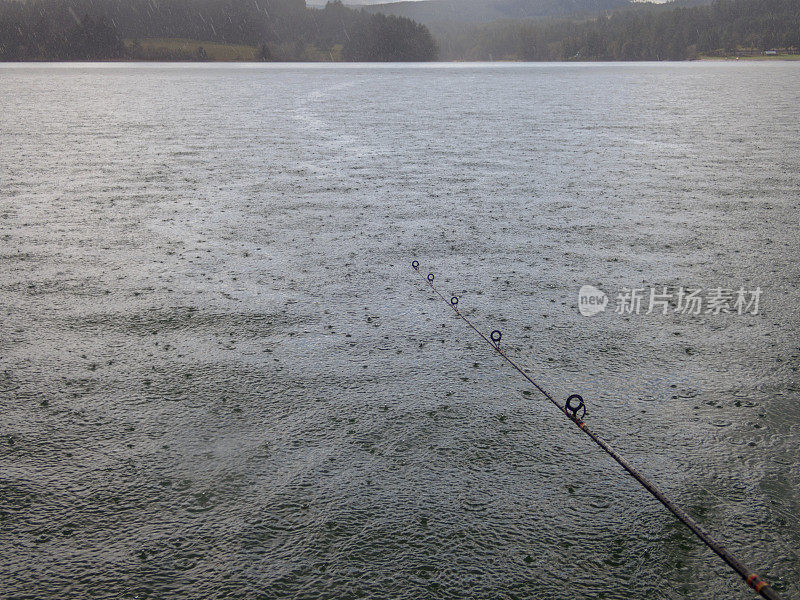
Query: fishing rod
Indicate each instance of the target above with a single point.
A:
(571, 408)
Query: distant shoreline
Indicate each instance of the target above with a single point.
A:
(787, 58)
(756, 58)
(179, 50)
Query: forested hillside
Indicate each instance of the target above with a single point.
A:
(642, 32)
(288, 30)
(282, 29)
(439, 12)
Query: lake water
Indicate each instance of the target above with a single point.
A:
(221, 378)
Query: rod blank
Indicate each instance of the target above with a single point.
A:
(751, 577)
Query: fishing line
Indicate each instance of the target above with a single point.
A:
(575, 410)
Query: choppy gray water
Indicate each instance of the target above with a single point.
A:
(221, 378)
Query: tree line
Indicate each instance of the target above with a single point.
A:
(643, 32)
(281, 29)
(287, 30)
(437, 12)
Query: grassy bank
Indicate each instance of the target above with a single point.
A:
(181, 49)
(178, 49)
(759, 57)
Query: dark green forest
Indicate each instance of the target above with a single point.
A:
(436, 12)
(282, 29)
(643, 32)
(286, 30)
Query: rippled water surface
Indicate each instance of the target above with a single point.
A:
(221, 378)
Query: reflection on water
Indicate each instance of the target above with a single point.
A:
(221, 378)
